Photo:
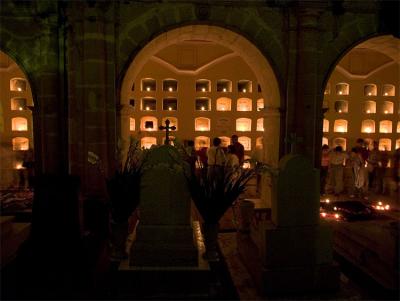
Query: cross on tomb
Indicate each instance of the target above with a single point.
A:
(293, 140)
(167, 128)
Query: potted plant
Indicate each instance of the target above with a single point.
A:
(123, 194)
(213, 197)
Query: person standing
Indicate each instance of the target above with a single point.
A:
(238, 148)
(216, 161)
(364, 152)
(336, 162)
(356, 164)
(324, 168)
(374, 180)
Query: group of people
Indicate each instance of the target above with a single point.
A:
(216, 158)
(368, 168)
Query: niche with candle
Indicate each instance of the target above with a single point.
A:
(225, 141)
(149, 85)
(170, 104)
(202, 124)
(259, 142)
(246, 141)
(385, 126)
(325, 126)
(170, 85)
(149, 104)
(148, 123)
(388, 90)
(370, 107)
(340, 142)
(340, 126)
(260, 124)
(368, 126)
(244, 86)
(341, 106)
(147, 142)
(203, 104)
(398, 127)
(203, 85)
(342, 89)
(20, 143)
(18, 84)
(243, 124)
(327, 90)
(19, 124)
(325, 141)
(224, 104)
(387, 107)
(224, 85)
(18, 104)
(260, 104)
(201, 141)
(131, 124)
(244, 104)
(370, 90)
(385, 144)
(173, 121)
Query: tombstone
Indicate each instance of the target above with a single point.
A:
(294, 247)
(164, 256)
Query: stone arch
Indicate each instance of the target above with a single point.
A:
(236, 42)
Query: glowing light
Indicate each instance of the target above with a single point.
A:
(335, 208)
(340, 92)
(368, 130)
(20, 108)
(148, 89)
(170, 89)
(369, 94)
(327, 201)
(147, 109)
(337, 216)
(18, 166)
(203, 89)
(340, 111)
(386, 94)
(224, 89)
(19, 89)
(386, 111)
(323, 214)
(380, 203)
(387, 207)
(340, 129)
(368, 111)
(246, 165)
(244, 90)
(203, 108)
(169, 108)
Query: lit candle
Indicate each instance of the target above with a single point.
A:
(203, 89)
(20, 108)
(170, 89)
(368, 111)
(340, 92)
(147, 109)
(19, 89)
(386, 111)
(368, 130)
(224, 89)
(148, 88)
(244, 90)
(386, 94)
(369, 94)
(203, 108)
(169, 108)
(340, 111)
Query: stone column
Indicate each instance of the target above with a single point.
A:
(307, 106)
(92, 102)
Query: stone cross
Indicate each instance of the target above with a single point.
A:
(167, 128)
(293, 140)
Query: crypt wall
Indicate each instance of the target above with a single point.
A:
(76, 55)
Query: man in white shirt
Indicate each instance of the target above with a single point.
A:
(216, 160)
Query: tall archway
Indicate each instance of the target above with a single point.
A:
(192, 55)
(16, 125)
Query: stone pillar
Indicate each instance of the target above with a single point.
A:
(307, 123)
(92, 102)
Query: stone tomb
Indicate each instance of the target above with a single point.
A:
(294, 248)
(165, 256)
